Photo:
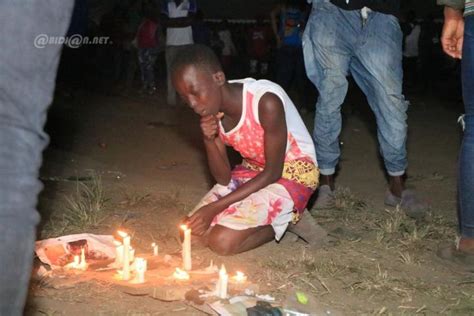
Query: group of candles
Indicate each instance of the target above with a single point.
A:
(79, 262)
(125, 255)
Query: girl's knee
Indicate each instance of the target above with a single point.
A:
(222, 243)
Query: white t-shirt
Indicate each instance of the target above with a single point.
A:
(176, 36)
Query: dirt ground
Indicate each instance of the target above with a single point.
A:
(153, 170)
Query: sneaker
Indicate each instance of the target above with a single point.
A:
(409, 202)
(308, 230)
(325, 198)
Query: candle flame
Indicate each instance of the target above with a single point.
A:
(184, 227)
(153, 244)
(122, 234)
(181, 274)
(222, 271)
(240, 277)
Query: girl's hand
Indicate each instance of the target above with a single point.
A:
(201, 220)
(210, 125)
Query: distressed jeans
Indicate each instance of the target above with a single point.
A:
(337, 43)
(466, 157)
(27, 79)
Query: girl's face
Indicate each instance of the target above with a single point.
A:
(199, 88)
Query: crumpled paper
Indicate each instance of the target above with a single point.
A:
(57, 252)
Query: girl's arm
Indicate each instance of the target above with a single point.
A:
(218, 160)
(272, 119)
(215, 149)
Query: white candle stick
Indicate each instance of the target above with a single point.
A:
(131, 256)
(140, 269)
(155, 249)
(187, 264)
(118, 254)
(77, 261)
(126, 256)
(221, 288)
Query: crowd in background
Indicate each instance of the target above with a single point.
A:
(267, 46)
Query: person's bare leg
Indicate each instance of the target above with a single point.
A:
(396, 185)
(327, 180)
(225, 241)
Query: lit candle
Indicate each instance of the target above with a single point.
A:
(83, 256)
(77, 261)
(221, 288)
(126, 256)
(131, 255)
(187, 265)
(140, 269)
(155, 249)
(118, 253)
(180, 274)
(239, 277)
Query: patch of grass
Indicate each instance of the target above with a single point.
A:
(85, 208)
(344, 200)
(393, 222)
(406, 258)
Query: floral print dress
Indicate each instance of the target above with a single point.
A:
(279, 203)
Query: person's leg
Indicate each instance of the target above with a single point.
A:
(260, 217)
(377, 69)
(466, 157)
(27, 79)
(225, 241)
(142, 66)
(327, 48)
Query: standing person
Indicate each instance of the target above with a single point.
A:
(344, 37)
(458, 42)
(288, 20)
(258, 48)
(148, 37)
(228, 49)
(27, 79)
(177, 17)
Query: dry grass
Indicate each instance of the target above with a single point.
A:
(86, 207)
(344, 200)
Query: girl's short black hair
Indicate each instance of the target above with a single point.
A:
(197, 55)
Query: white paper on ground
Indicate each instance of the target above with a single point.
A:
(55, 251)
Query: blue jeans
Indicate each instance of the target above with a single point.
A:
(27, 79)
(335, 44)
(466, 159)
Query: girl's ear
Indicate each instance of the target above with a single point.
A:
(219, 78)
